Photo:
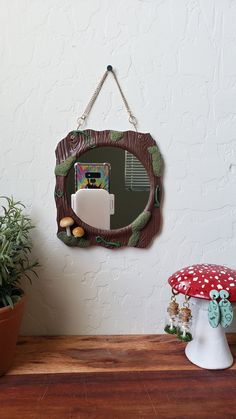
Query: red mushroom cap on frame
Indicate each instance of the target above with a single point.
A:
(198, 280)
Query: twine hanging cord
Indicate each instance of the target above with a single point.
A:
(82, 118)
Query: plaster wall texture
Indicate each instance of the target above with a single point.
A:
(176, 62)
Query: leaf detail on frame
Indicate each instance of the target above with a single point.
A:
(141, 221)
(156, 160)
(116, 135)
(63, 168)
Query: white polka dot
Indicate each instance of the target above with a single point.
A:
(219, 287)
(216, 277)
(206, 280)
(232, 285)
(195, 278)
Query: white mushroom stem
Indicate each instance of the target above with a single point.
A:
(171, 323)
(68, 232)
(184, 329)
(209, 347)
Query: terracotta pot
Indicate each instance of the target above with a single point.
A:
(10, 322)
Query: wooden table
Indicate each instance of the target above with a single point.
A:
(144, 376)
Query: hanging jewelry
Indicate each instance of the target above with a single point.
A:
(185, 316)
(214, 309)
(173, 311)
(226, 310)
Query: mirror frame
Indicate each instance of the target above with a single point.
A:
(142, 230)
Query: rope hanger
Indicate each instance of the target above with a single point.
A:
(83, 117)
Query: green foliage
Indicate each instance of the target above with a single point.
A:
(15, 248)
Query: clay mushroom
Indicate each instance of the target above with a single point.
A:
(217, 284)
(66, 223)
(78, 232)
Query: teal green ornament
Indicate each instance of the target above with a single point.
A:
(226, 310)
(213, 309)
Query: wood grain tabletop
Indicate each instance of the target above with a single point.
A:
(134, 376)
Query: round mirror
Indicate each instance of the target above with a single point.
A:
(107, 187)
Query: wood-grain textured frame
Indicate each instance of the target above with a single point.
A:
(140, 232)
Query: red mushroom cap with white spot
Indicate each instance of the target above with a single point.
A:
(198, 280)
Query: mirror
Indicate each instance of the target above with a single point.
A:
(127, 184)
(108, 189)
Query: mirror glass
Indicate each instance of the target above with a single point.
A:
(108, 187)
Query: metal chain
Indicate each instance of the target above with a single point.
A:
(82, 118)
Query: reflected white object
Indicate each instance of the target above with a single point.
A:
(93, 206)
(209, 347)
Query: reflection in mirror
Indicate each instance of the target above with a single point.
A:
(108, 187)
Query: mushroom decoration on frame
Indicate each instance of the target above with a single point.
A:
(212, 289)
(78, 232)
(66, 223)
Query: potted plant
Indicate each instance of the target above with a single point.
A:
(15, 264)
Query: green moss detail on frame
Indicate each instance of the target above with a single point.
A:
(141, 221)
(138, 225)
(134, 239)
(156, 160)
(76, 132)
(88, 140)
(63, 168)
(116, 135)
(58, 193)
(73, 241)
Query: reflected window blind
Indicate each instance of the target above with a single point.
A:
(136, 177)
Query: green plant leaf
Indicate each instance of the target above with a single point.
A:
(15, 249)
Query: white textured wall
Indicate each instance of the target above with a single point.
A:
(176, 61)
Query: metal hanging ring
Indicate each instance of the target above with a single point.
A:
(133, 120)
(81, 121)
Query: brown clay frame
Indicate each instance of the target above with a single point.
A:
(139, 233)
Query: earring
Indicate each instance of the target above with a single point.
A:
(185, 315)
(226, 310)
(173, 311)
(214, 309)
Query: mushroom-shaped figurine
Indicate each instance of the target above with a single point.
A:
(212, 287)
(78, 232)
(67, 222)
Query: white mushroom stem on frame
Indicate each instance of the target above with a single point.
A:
(66, 223)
